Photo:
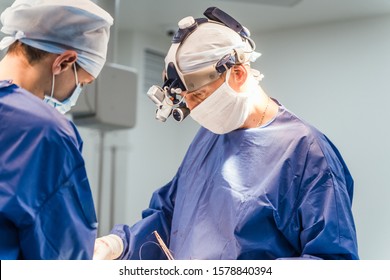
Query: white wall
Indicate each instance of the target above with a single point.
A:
(337, 76)
(334, 76)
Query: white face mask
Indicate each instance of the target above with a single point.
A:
(65, 106)
(224, 110)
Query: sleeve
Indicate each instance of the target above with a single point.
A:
(65, 226)
(138, 240)
(322, 224)
(57, 219)
(45, 194)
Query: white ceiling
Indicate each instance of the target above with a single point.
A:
(155, 16)
(158, 16)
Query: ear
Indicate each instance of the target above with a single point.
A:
(238, 76)
(64, 61)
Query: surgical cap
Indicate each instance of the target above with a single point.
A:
(208, 44)
(59, 25)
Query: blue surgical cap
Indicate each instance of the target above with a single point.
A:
(59, 25)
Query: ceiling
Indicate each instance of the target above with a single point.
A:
(258, 15)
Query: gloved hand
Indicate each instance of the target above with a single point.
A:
(108, 247)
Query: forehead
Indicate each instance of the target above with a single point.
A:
(84, 76)
(194, 98)
(210, 87)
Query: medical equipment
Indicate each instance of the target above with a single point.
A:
(168, 98)
(163, 246)
(168, 104)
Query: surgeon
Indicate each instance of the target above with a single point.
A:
(257, 181)
(53, 48)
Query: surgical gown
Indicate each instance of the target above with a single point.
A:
(274, 192)
(46, 206)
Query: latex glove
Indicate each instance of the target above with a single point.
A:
(108, 247)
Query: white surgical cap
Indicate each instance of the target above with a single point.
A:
(59, 25)
(208, 44)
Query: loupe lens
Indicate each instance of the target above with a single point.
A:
(179, 114)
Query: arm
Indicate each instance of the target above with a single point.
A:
(47, 203)
(60, 221)
(321, 224)
(65, 225)
(138, 240)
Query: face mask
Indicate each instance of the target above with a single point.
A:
(64, 106)
(224, 110)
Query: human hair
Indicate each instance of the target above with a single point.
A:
(33, 55)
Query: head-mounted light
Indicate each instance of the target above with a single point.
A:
(167, 98)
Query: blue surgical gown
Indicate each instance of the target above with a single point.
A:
(46, 206)
(274, 192)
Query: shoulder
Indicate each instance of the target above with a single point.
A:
(319, 147)
(293, 127)
(26, 115)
